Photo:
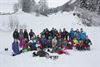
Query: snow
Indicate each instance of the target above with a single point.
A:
(4, 4)
(59, 20)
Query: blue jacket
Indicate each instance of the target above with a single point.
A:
(82, 35)
(15, 47)
(44, 41)
(77, 35)
(71, 34)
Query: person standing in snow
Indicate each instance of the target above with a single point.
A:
(71, 34)
(21, 37)
(46, 33)
(16, 34)
(82, 34)
(26, 34)
(77, 34)
(31, 33)
(65, 34)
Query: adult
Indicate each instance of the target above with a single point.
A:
(15, 48)
(31, 33)
(16, 34)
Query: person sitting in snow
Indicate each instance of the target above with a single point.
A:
(32, 44)
(75, 42)
(59, 41)
(41, 53)
(66, 44)
(88, 43)
(81, 45)
(15, 48)
(44, 41)
(25, 45)
(54, 44)
(49, 42)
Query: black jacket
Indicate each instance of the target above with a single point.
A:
(16, 35)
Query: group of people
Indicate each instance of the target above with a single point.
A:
(53, 40)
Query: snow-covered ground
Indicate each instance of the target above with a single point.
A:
(65, 20)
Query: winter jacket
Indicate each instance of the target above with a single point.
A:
(54, 42)
(31, 34)
(71, 34)
(32, 44)
(82, 36)
(65, 43)
(44, 42)
(16, 35)
(26, 35)
(15, 47)
(75, 42)
(23, 43)
(77, 35)
(21, 35)
(87, 42)
(65, 34)
(42, 53)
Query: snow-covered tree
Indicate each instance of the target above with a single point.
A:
(33, 6)
(16, 7)
(13, 23)
(26, 5)
(43, 5)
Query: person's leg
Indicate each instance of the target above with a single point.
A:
(35, 54)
